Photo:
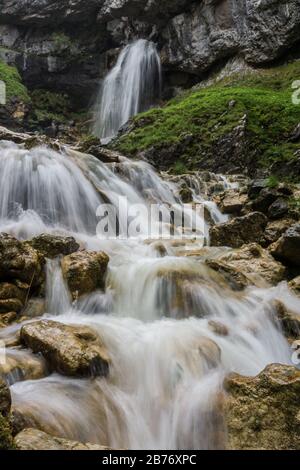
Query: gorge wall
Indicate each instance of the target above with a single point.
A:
(68, 45)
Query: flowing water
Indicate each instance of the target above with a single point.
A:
(155, 315)
(132, 86)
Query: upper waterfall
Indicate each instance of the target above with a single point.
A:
(132, 86)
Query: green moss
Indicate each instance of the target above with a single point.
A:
(14, 86)
(208, 114)
(49, 106)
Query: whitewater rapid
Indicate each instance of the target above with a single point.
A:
(155, 316)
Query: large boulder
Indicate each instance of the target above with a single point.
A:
(239, 231)
(232, 202)
(52, 246)
(12, 298)
(287, 248)
(249, 265)
(20, 262)
(69, 350)
(262, 412)
(84, 272)
(33, 439)
(275, 229)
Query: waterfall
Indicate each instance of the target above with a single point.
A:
(132, 86)
(155, 314)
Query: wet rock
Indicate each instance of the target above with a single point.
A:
(34, 308)
(278, 209)
(262, 411)
(290, 321)
(19, 261)
(249, 265)
(186, 194)
(5, 398)
(295, 285)
(69, 350)
(12, 299)
(33, 439)
(52, 246)
(22, 365)
(239, 231)
(84, 272)
(232, 202)
(218, 328)
(287, 248)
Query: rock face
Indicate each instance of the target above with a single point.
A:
(249, 265)
(69, 350)
(68, 46)
(33, 439)
(52, 246)
(239, 231)
(84, 272)
(287, 248)
(263, 412)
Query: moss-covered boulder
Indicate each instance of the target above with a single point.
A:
(52, 246)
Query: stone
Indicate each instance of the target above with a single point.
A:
(35, 307)
(249, 265)
(69, 350)
(256, 187)
(218, 328)
(84, 272)
(22, 365)
(287, 248)
(52, 246)
(12, 298)
(235, 233)
(261, 412)
(20, 261)
(275, 229)
(294, 285)
(232, 202)
(289, 320)
(6, 439)
(5, 398)
(278, 209)
(34, 439)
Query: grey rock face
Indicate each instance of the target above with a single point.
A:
(69, 45)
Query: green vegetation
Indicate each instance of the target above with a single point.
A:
(203, 117)
(49, 106)
(6, 440)
(273, 182)
(14, 86)
(62, 41)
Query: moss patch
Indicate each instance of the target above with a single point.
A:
(14, 86)
(6, 440)
(204, 117)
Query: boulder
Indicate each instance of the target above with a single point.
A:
(21, 262)
(249, 265)
(52, 246)
(232, 202)
(69, 350)
(12, 298)
(287, 248)
(6, 439)
(278, 209)
(33, 439)
(239, 231)
(275, 229)
(262, 412)
(84, 272)
(289, 320)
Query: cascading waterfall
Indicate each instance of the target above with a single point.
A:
(154, 316)
(132, 86)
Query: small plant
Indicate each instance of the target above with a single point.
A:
(179, 168)
(272, 182)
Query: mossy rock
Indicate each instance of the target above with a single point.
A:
(6, 439)
(14, 86)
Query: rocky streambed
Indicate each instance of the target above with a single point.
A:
(161, 344)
